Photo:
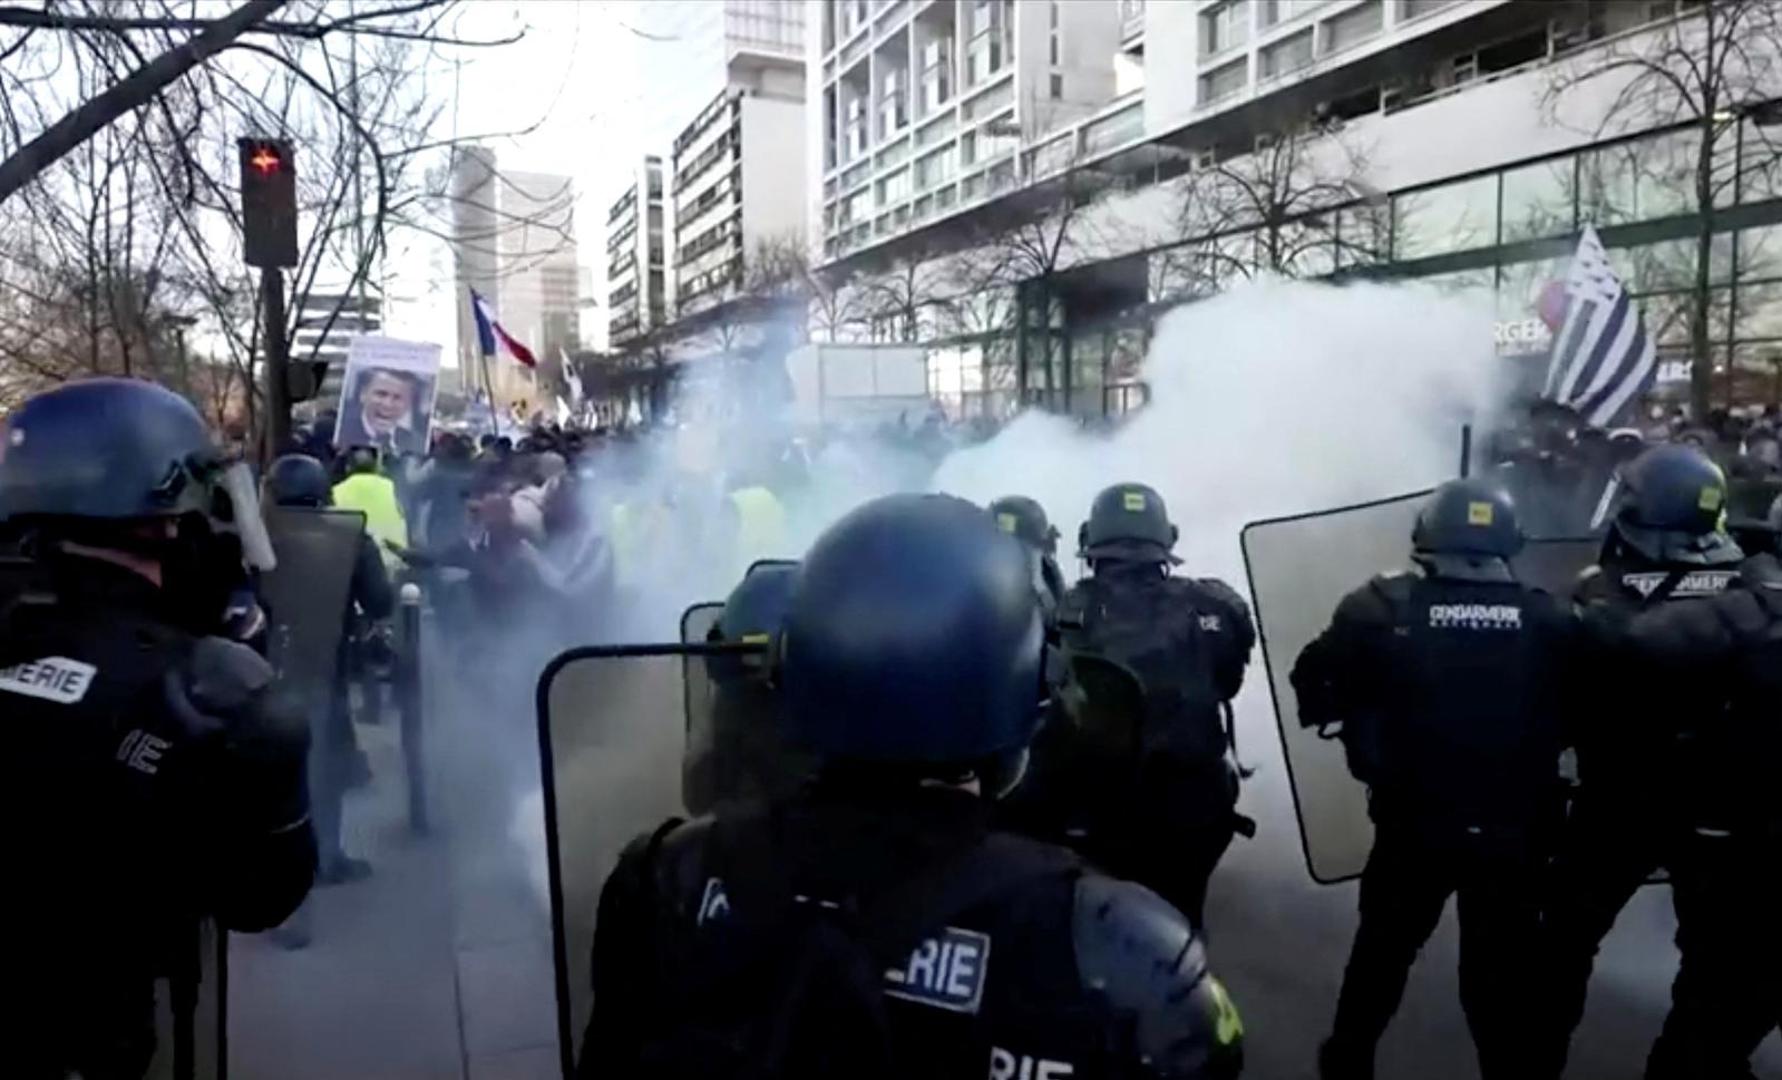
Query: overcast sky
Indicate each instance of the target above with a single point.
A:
(577, 81)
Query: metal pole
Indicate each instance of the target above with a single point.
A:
(410, 703)
(278, 360)
(1466, 450)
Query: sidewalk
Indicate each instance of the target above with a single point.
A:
(435, 968)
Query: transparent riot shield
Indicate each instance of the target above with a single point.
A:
(699, 701)
(306, 596)
(1300, 568)
(611, 742)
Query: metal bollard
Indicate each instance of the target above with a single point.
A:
(409, 703)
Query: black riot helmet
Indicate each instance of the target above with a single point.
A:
(362, 459)
(1025, 520)
(914, 639)
(298, 480)
(1128, 522)
(1670, 508)
(89, 459)
(1468, 529)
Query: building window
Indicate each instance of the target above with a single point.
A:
(937, 74)
(1452, 217)
(855, 129)
(894, 188)
(984, 57)
(1224, 27)
(893, 108)
(1053, 49)
(1223, 83)
(1057, 87)
(1353, 27)
(1275, 12)
(1537, 200)
(1287, 56)
(1416, 9)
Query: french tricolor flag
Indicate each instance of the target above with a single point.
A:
(489, 333)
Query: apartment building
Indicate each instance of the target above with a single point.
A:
(737, 168)
(1432, 126)
(635, 268)
(920, 101)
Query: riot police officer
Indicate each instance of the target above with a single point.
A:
(336, 763)
(1444, 680)
(1026, 520)
(1726, 866)
(738, 752)
(1649, 761)
(158, 782)
(875, 925)
(1169, 815)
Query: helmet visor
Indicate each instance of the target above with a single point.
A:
(236, 509)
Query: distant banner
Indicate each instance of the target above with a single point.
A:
(387, 395)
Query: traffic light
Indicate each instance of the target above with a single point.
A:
(268, 203)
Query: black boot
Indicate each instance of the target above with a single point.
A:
(1339, 1062)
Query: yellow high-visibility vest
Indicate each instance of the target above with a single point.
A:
(375, 497)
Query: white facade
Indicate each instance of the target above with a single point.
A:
(915, 96)
(636, 297)
(1201, 79)
(737, 182)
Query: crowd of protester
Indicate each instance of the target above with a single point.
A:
(1558, 467)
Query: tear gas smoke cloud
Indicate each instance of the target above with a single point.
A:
(1275, 398)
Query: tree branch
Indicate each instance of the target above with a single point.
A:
(130, 93)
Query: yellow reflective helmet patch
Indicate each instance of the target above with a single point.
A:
(1007, 522)
(1230, 1025)
(756, 639)
(1480, 513)
(1133, 501)
(1712, 497)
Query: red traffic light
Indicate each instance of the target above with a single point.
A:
(268, 202)
(266, 161)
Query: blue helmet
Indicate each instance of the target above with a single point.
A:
(1128, 522)
(110, 449)
(299, 480)
(1469, 517)
(1671, 507)
(914, 637)
(754, 613)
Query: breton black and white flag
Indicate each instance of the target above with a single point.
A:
(1603, 359)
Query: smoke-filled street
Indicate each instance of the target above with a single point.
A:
(884, 539)
(462, 916)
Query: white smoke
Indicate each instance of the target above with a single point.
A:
(1274, 398)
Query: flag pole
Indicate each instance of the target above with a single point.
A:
(489, 388)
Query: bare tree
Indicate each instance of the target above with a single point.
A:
(910, 287)
(1275, 210)
(1709, 71)
(1036, 236)
(145, 207)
